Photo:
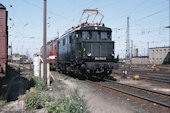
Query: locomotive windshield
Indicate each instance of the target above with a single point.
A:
(96, 35)
(85, 35)
(104, 36)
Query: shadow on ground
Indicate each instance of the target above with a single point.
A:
(13, 85)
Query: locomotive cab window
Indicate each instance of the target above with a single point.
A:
(104, 36)
(95, 35)
(85, 35)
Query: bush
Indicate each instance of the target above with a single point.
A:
(35, 99)
(71, 104)
(44, 97)
(32, 100)
(38, 83)
(51, 106)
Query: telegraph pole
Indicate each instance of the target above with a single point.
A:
(169, 23)
(134, 50)
(57, 34)
(131, 48)
(148, 49)
(44, 41)
(127, 41)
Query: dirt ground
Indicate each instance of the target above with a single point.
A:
(97, 100)
(101, 100)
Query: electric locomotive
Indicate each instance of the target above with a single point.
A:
(51, 53)
(87, 50)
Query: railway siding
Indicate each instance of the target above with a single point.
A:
(160, 98)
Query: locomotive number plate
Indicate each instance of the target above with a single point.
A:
(100, 58)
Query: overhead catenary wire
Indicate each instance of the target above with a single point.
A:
(150, 15)
(135, 28)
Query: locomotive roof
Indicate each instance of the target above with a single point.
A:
(85, 27)
(95, 28)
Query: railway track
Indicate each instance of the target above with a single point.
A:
(150, 72)
(150, 76)
(144, 72)
(155, 78)
(160, 98)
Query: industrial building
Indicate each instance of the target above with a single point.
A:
(157, 55)
(19, 58)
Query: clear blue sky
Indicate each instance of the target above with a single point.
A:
(148, 19)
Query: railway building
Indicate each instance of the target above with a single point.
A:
(157, 55)
(140, 60)
(17, 58)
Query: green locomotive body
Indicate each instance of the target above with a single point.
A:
(87, 50)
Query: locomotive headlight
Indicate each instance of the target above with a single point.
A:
(88, 54)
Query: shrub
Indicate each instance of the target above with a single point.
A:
(35, 99)
(44, 97)
(38, 83)
(77, 103)
(51, 106)
(32, 100)
(70, 104)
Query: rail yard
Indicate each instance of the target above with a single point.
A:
(149, 95)
(83, 70)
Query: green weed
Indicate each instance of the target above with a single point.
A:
(70, 104)
(38, 83)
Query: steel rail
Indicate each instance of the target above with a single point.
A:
(158, 74)
(151, 72)
(145, 72)
(135, 95)
(154, 78)
(138, 87)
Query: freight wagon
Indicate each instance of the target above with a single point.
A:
(3, 40)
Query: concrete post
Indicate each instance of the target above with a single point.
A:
(48, 74)
(41, 71)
